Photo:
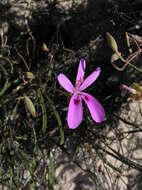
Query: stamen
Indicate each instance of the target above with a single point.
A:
(79, 82)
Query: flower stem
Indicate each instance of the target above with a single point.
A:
(136, 68)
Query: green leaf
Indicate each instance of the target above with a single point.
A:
(111, 42)
(14, 113)
(7, 84)
(51, 176)
(11, 178)
(30, 105)
(3, 70)
(114, 57)
(6, 59)
(44, 113)
(57, 116)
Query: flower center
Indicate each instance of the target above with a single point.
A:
(79, 82)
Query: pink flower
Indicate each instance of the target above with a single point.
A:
(75, 110)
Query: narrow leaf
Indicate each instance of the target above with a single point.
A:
(57, 116)
(44, 113)
(51, 172)
(30, 105)
(7, 84)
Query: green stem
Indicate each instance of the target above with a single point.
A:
(136, 68)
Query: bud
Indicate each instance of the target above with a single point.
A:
(30, 105)
(128, 88)
(111, 42)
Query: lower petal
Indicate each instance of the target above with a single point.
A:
(96, 109)
(75, 112)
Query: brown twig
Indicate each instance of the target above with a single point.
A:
(130, 58)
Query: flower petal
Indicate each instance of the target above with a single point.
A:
(80, 72)
(75, 112)
(96, 110)
(90, 79)
(65, 83)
